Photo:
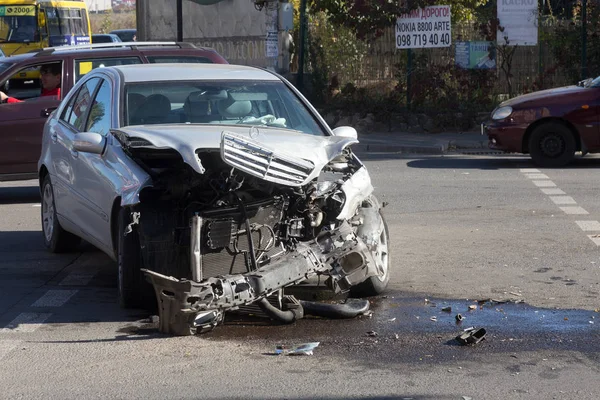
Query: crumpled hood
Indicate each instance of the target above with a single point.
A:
(545, 95)
(188, 138)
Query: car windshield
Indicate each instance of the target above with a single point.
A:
(227, 102)
(595, 82)
(18, 29)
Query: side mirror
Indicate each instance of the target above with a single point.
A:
(345, 131)
(89, 142)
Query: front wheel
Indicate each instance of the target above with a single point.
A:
(375, 285)
(552, 145)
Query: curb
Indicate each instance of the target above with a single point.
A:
(400, 149)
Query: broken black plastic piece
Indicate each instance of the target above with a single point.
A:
(472, 336)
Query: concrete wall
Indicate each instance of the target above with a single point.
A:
(232, 27)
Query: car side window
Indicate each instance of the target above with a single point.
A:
(66, 113)
(83, 66)
(100, 113)
(82, 104)
(27, 84)
(179, 59)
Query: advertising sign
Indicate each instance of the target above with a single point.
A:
(519, 20)
(475, 55)
(424, 28)
(17, 11)
(272, 43)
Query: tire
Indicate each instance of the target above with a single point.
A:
(552, 145)
(375, 285)
(56, 239)
(134, 290)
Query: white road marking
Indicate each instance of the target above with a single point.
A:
(537, 176)
(589, 225)
(77, 279)
(26, 322)
(563, 200)
(526, 170)
(595, 239)
(544, 183)
(574, 210)
(552, 191)
(6, 346)
(54, 298)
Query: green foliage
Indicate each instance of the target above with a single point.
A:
(368, 18)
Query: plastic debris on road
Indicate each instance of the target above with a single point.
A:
(447, 309)
(372, 333)
(471, 336)
(304, 349)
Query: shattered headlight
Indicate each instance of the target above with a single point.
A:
(502, 112)
(325, 187)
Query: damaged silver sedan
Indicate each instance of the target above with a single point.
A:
(214, 187)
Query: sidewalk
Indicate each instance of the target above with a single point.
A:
(421, 143)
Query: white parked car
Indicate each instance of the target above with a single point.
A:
(220, 184)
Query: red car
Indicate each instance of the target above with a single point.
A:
(21, 124)
(550, 125)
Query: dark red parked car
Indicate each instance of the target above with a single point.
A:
(550, 125)
(21, 123)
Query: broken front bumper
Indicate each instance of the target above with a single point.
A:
(186, 306)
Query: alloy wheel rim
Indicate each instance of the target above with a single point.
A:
(48, 212)
(382, 253)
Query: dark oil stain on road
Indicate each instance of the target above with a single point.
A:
(403, 328)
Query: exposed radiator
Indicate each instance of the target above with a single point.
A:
(223, 238)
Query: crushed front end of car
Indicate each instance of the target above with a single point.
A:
(250, 220)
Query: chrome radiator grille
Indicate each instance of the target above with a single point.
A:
(264, 163)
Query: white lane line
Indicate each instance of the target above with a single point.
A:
(563, 200)
(77, 279)
(6, 346)
(544, 183)
(54, 298)
(574, 210)
(26, 322)
(589, 225)
(595, 239)
(537, 176)
(552, 191)
(529, 170)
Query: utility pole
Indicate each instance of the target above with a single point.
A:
(301, 49)
(180, 20)
(584, 71)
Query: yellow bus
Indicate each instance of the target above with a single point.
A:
(27, 25)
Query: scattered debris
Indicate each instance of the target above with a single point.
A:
(459, 317)
(396, 336)
(515, 294)
(447, 309)
(471, 336)
(300, 349)
(472, 307)
(434, 319)
(467, 398)
(372, 333)
(392, 319)
(368, 313)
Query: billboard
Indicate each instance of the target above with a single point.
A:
(519, 22)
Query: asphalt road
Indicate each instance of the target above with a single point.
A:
(493, 232)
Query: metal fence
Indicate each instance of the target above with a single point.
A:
(380, 66)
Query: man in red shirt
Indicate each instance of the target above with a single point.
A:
(50, 75)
